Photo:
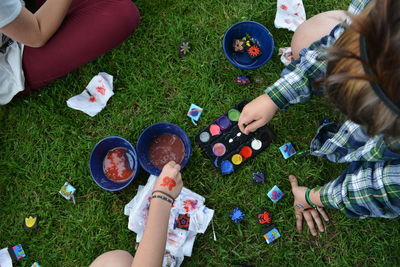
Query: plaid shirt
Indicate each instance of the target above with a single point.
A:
(295, 84)
(370, 185)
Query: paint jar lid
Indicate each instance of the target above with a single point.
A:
(234, 114)
(256, 144)
(204, 137)
(237, 159)
(226, 167)
(215, 130)
(246, 152)
(223, 122)
(219, 149)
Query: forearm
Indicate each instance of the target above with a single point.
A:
(152, 247)
(50, 16)
(36, 29)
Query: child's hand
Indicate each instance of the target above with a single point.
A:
(257, 113)
(170, 180)
(302, 209)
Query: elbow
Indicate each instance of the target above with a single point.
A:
(37, 40)
(36, 43)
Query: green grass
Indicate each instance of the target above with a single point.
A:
(44, 143)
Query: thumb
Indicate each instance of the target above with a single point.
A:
(293, 181)
(253, 126)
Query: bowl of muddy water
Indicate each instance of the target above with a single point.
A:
(161, 143)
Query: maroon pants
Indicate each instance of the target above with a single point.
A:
(90, 28)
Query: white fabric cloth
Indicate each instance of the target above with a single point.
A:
(12, 78)
(95, 97)
(179, 242)
(289, 14)
(5, 259)
(286, 55)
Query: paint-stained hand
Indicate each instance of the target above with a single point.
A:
(302, 209)
(257, 113)
(170, 180)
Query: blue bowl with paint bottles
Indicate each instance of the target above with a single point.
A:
(113, 163)
(260, 36)
(160, 143)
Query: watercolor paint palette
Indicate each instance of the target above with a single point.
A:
(229, 148)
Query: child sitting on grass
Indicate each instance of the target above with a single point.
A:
(150, 252)
(362, 80)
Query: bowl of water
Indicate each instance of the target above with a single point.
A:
(260, 35)
(113, 163)
(160, 143)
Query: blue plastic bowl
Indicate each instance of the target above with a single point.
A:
(147, 137)
(258, 32)
(97, 156)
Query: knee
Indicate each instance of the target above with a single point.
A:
(117, 258)
(128, 15)
(315, 28)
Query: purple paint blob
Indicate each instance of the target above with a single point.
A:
(223, 122)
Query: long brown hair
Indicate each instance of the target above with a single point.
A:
(346, 83)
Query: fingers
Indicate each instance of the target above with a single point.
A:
(174, 165)
(253, 126)
(243, 122)
(299, 221)
(317, 220)
(323, 213)
(309, 219)
(293, 181)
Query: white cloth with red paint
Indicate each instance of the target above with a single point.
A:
(286, 55)
(95, 97)
(289, 14)
(179, 242)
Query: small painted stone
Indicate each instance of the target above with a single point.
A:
(31, 222)
(248, 41)
(194, 113)
(182, 222)
(238, 45)
(16, 252)
(271, 234)
(287, 150)
(258, 177)
(237, 215)
(254, 51)
(243, 80)
(184, 48)
(275, 194)
(264, 217)
(67, 191)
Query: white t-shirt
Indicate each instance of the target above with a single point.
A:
(11, 74)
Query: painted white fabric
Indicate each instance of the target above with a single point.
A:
(289, 14)
(95, 97)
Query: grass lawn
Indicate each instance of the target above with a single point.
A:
(44, 143)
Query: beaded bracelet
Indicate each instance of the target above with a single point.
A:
(162, 192)
(164, 198)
